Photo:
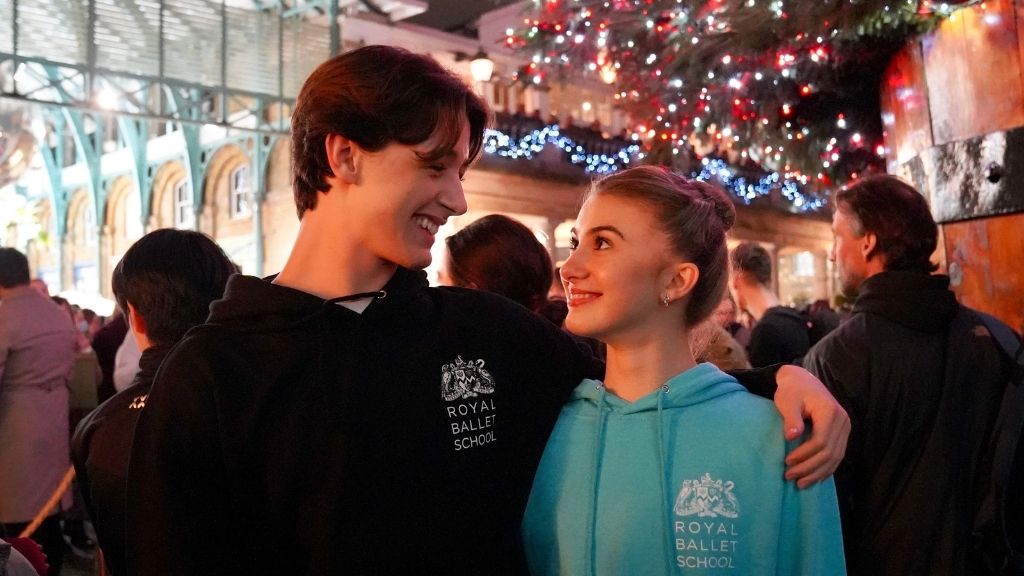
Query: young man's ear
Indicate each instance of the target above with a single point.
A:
(341, 156)
(136, 323)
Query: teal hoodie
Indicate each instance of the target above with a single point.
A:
(688, 479)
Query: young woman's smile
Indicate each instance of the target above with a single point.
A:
(615, 274)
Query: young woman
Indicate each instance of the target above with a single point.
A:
(343, 417)
(665, 466)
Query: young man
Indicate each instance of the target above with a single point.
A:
(164, 285)
(344, 417)
(922, 379)
(780, 334)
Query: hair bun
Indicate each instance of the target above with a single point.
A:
(724, 208)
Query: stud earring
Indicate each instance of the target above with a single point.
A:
(665, 301)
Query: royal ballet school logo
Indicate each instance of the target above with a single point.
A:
(710, 537)
(707, 498)
(460, 380)
(470, 415)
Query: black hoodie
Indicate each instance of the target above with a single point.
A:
(291, 435)
(780, 336)
(921, 381)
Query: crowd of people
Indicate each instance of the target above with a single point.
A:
(47, 378)
(342, 416)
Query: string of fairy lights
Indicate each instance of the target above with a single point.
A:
(745, 189)
(506, 146)
(789, 87)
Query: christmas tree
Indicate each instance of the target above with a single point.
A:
(759, 94)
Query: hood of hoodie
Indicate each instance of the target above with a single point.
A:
(698, 384)
(620, 423)
(918, 301)
(613, 491)
(789, 313)
(251, 303)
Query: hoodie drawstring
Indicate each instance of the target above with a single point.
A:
(666, 503)
(378, 294)
(598, 444)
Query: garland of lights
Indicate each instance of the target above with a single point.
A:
(747, 191)
(788, 85)
(506, 146)
(496, 142)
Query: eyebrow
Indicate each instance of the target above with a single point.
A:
(437, 155)
(597, 229)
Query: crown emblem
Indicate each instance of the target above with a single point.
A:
(461, 379)
(707, 498)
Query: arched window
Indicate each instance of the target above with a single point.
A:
(133, 227)
(184, 212)
(87, 225)
(240, 193)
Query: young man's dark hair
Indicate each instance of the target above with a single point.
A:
(374, 96)
(170, 277)
(13, 268)
(898, 215)
(753, 261)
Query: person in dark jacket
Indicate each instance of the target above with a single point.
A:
(343, 417)
(780, 334)
(822, 320)
(921, 378)
(164, 285)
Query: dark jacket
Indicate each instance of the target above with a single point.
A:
(780, 336)
(921, 380)
(291, 435)
(100, 449)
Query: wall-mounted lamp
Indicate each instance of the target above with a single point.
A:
(480, 66)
